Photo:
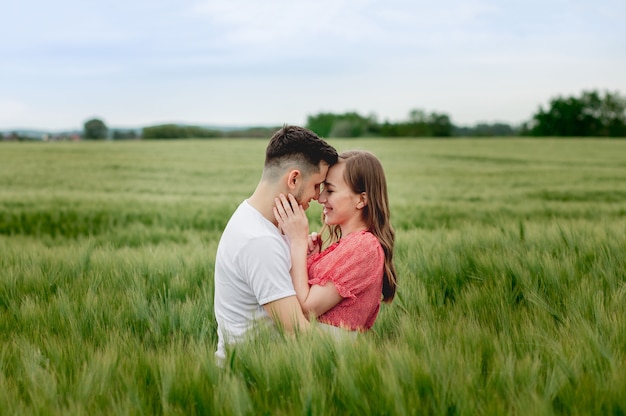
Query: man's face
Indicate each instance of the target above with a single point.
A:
(310, 188)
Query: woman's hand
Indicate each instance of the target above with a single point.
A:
(314, 244)
(292, 220)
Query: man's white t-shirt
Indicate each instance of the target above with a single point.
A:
(251, 269)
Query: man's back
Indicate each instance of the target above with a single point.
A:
(251, 269)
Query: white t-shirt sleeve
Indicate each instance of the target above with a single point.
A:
(267, 262)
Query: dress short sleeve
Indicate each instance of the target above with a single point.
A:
(352, 264)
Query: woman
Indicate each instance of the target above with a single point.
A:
(343, 284)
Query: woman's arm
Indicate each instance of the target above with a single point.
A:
(292, 220)
(321, 299)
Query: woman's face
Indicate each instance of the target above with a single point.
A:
(341, 204)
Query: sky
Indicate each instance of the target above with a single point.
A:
(137, 63)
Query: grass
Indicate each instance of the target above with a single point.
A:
(512, 274)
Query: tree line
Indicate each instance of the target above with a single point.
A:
(592, 114)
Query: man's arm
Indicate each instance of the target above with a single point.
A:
(287, 314)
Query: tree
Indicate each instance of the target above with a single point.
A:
(487, 130)
(124, 134)
(349, 124)
(440, 125)
(418, 124)
(352, 124)
(321, 123)
(590, 115)
(95, 129)
(175, 131)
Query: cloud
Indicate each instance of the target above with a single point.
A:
(280, 60)
(285, 22)
(11, 110)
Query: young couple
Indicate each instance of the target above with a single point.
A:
(268, 268)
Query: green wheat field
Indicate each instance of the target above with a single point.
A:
(512, 270)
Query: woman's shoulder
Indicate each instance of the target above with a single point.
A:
(361, 240)
(360, 237)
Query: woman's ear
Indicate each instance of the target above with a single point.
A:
(362, 201)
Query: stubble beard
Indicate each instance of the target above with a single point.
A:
(298, 195)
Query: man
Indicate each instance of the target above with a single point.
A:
(252, 280)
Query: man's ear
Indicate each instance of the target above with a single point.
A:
(293, 178)
(362, 201)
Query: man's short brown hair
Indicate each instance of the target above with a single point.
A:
(293, 143)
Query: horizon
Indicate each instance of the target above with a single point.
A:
(221, 127)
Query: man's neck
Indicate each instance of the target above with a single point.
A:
(263, 201)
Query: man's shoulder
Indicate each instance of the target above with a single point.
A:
(249, 223)
(248, 229)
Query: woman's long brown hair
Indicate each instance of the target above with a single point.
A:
(364, 173)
